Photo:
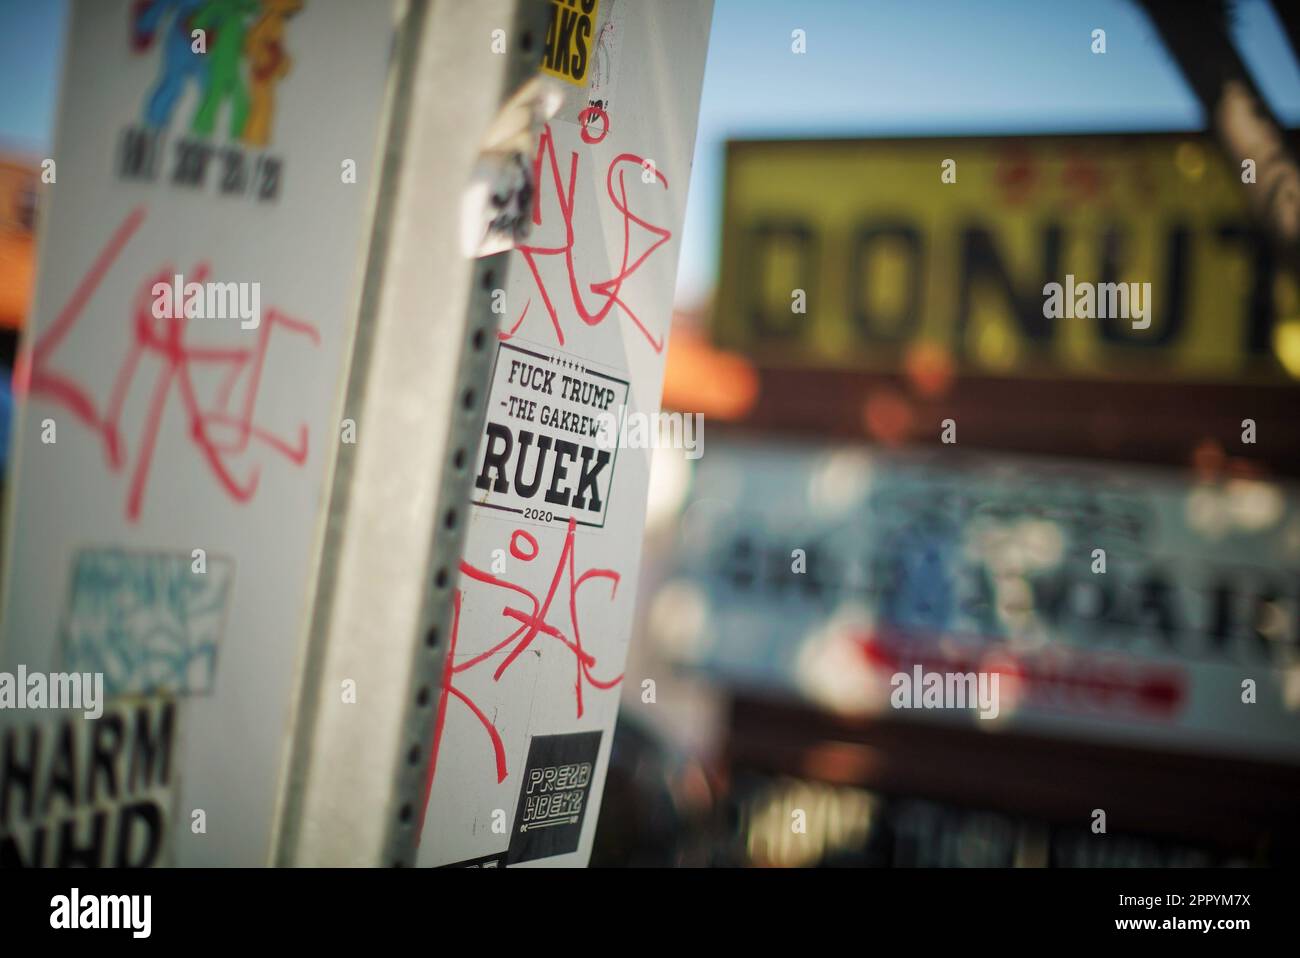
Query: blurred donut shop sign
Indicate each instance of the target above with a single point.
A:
(1117, 605)
(853, 253)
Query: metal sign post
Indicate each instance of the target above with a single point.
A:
(491, 673)
(297, 255)
(399, 506)
(201, 250)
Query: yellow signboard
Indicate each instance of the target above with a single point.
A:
(1089, 257)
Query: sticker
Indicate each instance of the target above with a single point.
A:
(553, 795)
(89, 792)
(569, 38)
(149, 621)
(219, 140)
(548, 452)
(496, 207)
(487, 861)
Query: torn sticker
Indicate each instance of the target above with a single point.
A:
(497, 205)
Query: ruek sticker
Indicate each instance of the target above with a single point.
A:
(547, 452)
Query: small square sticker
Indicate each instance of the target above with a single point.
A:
(553, 796)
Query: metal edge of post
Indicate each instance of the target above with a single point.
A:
(353, 785)
(409, 23)
(406, 813)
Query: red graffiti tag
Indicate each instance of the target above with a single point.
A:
(616, 187)
(532, 623)
(220, 431)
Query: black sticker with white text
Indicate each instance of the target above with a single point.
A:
(553, 796)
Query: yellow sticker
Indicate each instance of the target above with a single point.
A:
(567, 54)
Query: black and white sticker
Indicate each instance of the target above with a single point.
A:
(553, 796)
(547, 452)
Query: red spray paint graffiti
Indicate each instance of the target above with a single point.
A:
(219, 432)
(532, 623)
(616, 187)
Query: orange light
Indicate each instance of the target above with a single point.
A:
(888, 416)
(699, 378)
(929, 369)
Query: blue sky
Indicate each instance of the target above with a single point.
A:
(872, 67)
(31, 40)
(883, 67)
